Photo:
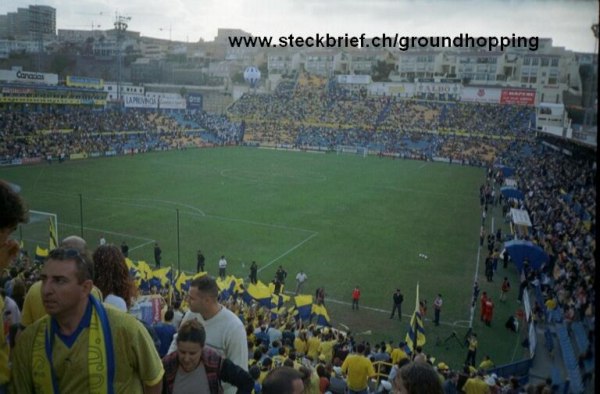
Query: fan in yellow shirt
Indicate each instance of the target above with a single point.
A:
(358, 369)
(398, 353)
(33, 307)
(300, 343)
(12, 212)
(62, 344)
(313, 344)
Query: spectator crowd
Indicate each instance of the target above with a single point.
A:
(251, 347)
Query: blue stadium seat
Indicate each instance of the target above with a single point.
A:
(549, 342)
(580, 335)
(576, 384)
(557, 380)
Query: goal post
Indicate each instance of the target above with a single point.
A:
(41, 231)
(352, 149)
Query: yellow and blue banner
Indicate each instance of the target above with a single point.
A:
(40, 253)
(416, 330)
(259, 293)
(53, 239)
(320, 314)
(304, 306)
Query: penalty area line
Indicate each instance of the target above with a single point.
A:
(106, 231)
(141, 245)
(370, 308)
(288, 251)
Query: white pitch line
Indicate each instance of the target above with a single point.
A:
(386, 311)
(515, 348)
(103, 218)
(131, 204)
(106, 231)
(141, 246)
(288, 251)
(406, 189)
(281, 226)
(266, 175)
(201, 212)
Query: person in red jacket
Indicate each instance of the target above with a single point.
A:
(488, 311)
(355, 297)
(484, 298)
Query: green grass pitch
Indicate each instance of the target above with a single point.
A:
(344, 219)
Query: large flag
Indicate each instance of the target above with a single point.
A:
(53, 241)
(162, 276)
(183, 282)
(226, 287)
(320, 313)
(304, 306)
(258, 292)
(277, 307)
(40, 253)
(416, 331)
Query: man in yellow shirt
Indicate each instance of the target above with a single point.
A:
(326, 348)
(300, 343)
(486, 364)
(398, 353)
(313, 344)
(472, 350)
(476, 385)
(33, 307)
(82, 346)
(12, 212)
(358, 369)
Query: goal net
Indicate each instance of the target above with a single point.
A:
(350, 149)
(40, 232)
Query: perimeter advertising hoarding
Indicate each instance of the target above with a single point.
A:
(518, 96)
(50, 100)
(137, 101)
(397, 89)
(354, 79)
(168, 100)
(195, 101)
(438, 88)
(28, 77)
(84, 82)
(481, 94)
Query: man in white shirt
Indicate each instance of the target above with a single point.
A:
(300, 279)
(177, 315)
(222, 267)
(225, 332)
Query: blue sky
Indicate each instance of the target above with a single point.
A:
(567, 22)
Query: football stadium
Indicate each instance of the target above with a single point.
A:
(431, 221)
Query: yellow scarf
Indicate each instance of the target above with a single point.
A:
(101, 362)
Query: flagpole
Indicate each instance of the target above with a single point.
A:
(417, 310)
(178, 248)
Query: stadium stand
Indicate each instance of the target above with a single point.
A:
(560, 196)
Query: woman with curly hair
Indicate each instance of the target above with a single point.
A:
(111, 276)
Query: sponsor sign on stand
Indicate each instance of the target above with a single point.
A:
(518, 96)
